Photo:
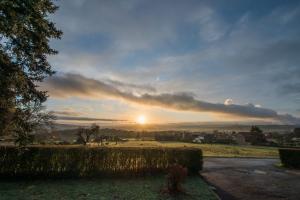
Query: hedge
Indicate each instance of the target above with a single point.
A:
(78, 161)
(290, 157)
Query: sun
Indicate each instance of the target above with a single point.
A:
(141, 119)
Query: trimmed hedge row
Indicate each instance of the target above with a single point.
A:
(94, 161)
(290, 157)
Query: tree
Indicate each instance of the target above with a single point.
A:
(84, 134)
(98, 137)
(94, 129)
(257, 136)
(296, 132)
(255, 129)
(115, 138)
(25, 32)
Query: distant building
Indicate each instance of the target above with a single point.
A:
(199, 139)
(202, 137)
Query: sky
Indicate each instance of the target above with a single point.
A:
(176, 61)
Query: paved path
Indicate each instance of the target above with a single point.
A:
(249, 178)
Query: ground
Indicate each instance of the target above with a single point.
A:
(249, 178)
(102, 189)
(218, 150)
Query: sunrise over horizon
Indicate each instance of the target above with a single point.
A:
(150, 99)
(191, 61)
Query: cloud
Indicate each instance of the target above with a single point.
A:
(77, 116)
(70, 85)
(122, 85)
(67, 118)
(66, 113)
(213, 49)
(122, 21)
(291, 88)
(211, 27)
(228, 102)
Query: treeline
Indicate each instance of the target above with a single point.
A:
(71, 135)
(95, 134)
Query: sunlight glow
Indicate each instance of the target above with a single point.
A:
(141, 119)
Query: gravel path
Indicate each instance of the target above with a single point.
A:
(250, 178)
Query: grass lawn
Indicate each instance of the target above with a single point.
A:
(210, 149)
(110, 189)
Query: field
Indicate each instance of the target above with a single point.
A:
(216, 150)
(104, 189)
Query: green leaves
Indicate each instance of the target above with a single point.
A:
(25, 31)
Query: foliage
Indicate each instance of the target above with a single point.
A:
(22, 139)
(257, 137)
(255, 129)
(28, 123)
(176, 176)
(290, 157)
(25, 31)
(94, 129)
(296, 132)
(78, 161)
(99, 137)
(84, 134)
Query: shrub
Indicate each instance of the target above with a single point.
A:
(80, 161)
(175, 178)
(290, 157)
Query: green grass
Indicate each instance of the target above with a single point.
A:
(102, 189)
(210, 149)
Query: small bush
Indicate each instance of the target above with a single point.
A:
(175, 178)
(290, 157)
(80, 161)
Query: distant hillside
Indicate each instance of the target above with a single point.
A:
(194, 127)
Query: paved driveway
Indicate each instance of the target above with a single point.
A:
(249, 178)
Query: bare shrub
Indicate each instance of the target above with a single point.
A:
(175, 178)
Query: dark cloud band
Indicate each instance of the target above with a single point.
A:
(67, 118)
(69, 85)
